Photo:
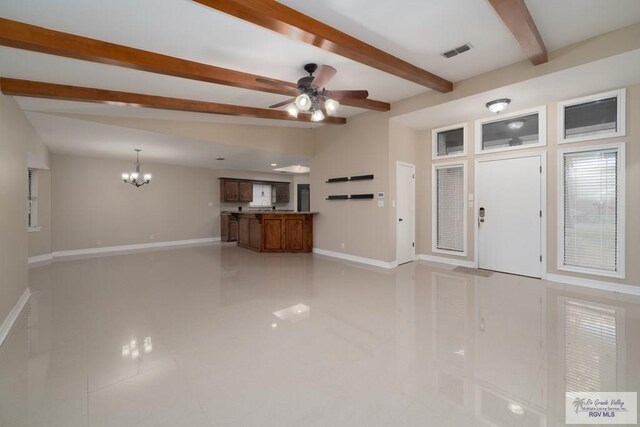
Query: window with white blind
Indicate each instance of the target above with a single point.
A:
(591, 346)
(32, 200)
(591, 212)
(449, 214)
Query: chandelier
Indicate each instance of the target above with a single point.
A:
(136, 178)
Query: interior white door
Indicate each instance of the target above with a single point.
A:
(405, 213)
(508, 195)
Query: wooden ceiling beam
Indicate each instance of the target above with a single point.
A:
(516, 16)
(297, 26)
(33, 89)
(38, 39)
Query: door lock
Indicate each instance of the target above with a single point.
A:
(481, 215)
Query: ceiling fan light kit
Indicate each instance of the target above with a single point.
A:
(317, 116)
(303, 102)
(314, 98)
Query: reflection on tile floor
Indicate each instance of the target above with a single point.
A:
(229, 337)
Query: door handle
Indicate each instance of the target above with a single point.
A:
(480, 216)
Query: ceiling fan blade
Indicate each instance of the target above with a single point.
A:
(323, 75)
(348, 94)
(279, 85)
(282, 104)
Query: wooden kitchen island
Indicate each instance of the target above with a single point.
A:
(273, 231)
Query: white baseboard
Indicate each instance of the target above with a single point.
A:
(596, 284)
(114, 250)
(11, 318)
(354, 258)
(40, 259)
(449, 261)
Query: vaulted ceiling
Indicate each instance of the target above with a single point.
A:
(415, 31)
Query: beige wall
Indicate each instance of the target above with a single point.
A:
(632, 196)
(15, 138)
(91, 203)
(40, 241)
(360, 147)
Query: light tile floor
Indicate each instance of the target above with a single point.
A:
(420, 345)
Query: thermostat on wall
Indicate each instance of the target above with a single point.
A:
(381, 195)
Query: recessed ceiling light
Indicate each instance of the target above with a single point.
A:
(220, 158)
(274, 164)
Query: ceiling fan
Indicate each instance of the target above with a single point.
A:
(313, 96)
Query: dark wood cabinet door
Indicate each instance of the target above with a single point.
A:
(245, 189)
(243, 232)
(282, 192)
(294, 234)
(233, 231)
(224, 228)
(229, 191)
(272, 231)
(255, 234)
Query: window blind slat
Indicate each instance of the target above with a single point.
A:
(450, 208)
(590, 209)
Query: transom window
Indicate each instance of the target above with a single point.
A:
(592, 117)
(514, 131)
(449, 141)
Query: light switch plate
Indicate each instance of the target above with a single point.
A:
(381, 203)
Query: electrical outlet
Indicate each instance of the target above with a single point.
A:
(342, 245)
(152, 236)
(99, 242)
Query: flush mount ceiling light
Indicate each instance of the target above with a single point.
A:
(137, 179)
(515, 125)
(498, 105)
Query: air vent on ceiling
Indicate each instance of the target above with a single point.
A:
(458, 50)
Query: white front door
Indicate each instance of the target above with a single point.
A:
(405, 212)
(508, 195)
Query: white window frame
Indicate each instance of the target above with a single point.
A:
(434, 141)
(434, 207)
(34, 201)
(620, 207)
(542, 130)
(620, 94)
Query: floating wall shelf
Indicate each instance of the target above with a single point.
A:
(352, 197)
(346, 178)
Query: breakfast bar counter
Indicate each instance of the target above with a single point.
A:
(274, 231)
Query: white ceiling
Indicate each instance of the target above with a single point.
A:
(79, 137)
(414, 30)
